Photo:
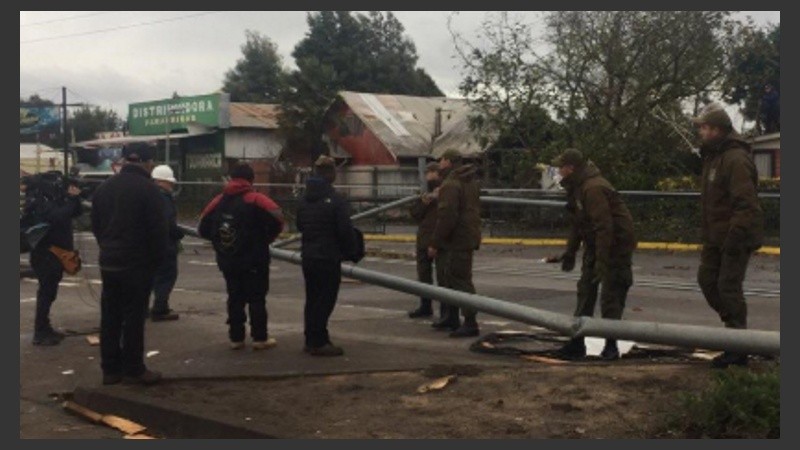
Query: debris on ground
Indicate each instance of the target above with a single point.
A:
(437, 384)
(93, 339)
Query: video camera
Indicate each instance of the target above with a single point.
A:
(52, 185)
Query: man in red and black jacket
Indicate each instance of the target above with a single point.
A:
(241, 223)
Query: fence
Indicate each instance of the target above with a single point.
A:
(658, 216)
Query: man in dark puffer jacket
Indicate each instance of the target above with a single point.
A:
(329, 238)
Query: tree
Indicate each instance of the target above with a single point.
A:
(87, 121)
(755, 61)
(258, 76)
(612, 80)
(346, 51)
(504, 89)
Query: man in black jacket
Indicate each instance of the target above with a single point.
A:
(323, 217)
(241, 223)
(131, 228)
(57, 211)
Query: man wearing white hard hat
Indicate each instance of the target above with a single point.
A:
(167, 273)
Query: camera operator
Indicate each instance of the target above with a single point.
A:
(57, 211)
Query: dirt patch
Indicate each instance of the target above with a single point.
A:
(569, 401)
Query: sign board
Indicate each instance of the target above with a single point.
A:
(163, 116)
(203, 161)
(32, 120)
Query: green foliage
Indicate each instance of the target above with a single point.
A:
(504, 86)
(258, 76)
(87, 121)
(770, 184)
(740, 403)
(615, 82)
(754, 62)
(346, 51)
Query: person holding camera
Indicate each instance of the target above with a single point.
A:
(56, 210)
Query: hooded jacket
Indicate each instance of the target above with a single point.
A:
(599, 216)
(731, 213)
(323, 217)
(458, 222)
(260, 217)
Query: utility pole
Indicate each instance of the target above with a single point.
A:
(64, 129)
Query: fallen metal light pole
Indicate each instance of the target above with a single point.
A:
(712, 338)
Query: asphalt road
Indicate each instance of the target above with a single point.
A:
(369, 322)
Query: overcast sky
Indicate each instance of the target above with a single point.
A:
(113, 58)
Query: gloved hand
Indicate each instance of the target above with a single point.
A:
(600, 271)
(567, 261)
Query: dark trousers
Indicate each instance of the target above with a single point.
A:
(163, 282)
(454, 271)
(123, 306)
(614, 290)
(322, 280)
(424, 274)
(49, 273)
(721, 275)
(248, 288)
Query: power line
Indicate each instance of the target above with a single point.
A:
(124, 27)
(64, 19)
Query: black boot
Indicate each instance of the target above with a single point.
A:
(47, 338)
(421, 312)
(574, 349)
(729, 359)
(468, 329)
(449, 319)
(610, 351)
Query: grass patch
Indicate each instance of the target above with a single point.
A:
(739, 403)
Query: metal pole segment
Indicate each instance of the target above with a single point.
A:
(361, 215)
(693, 336)
(522, 201)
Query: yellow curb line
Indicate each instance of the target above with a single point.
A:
(670, 246)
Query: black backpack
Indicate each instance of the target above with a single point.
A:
(231, 230)
(360, 250)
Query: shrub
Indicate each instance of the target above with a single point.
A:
(740, 403)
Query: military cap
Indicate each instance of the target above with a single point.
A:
(570, 157)
(714, 115)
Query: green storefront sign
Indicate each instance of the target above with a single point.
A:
(161, 116)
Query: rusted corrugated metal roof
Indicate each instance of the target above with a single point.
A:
(405, 124)
(254, 115)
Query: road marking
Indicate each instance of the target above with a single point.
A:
(27, 300)
(202, 263)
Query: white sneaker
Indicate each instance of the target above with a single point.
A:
(263, 345)
(237, 345)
